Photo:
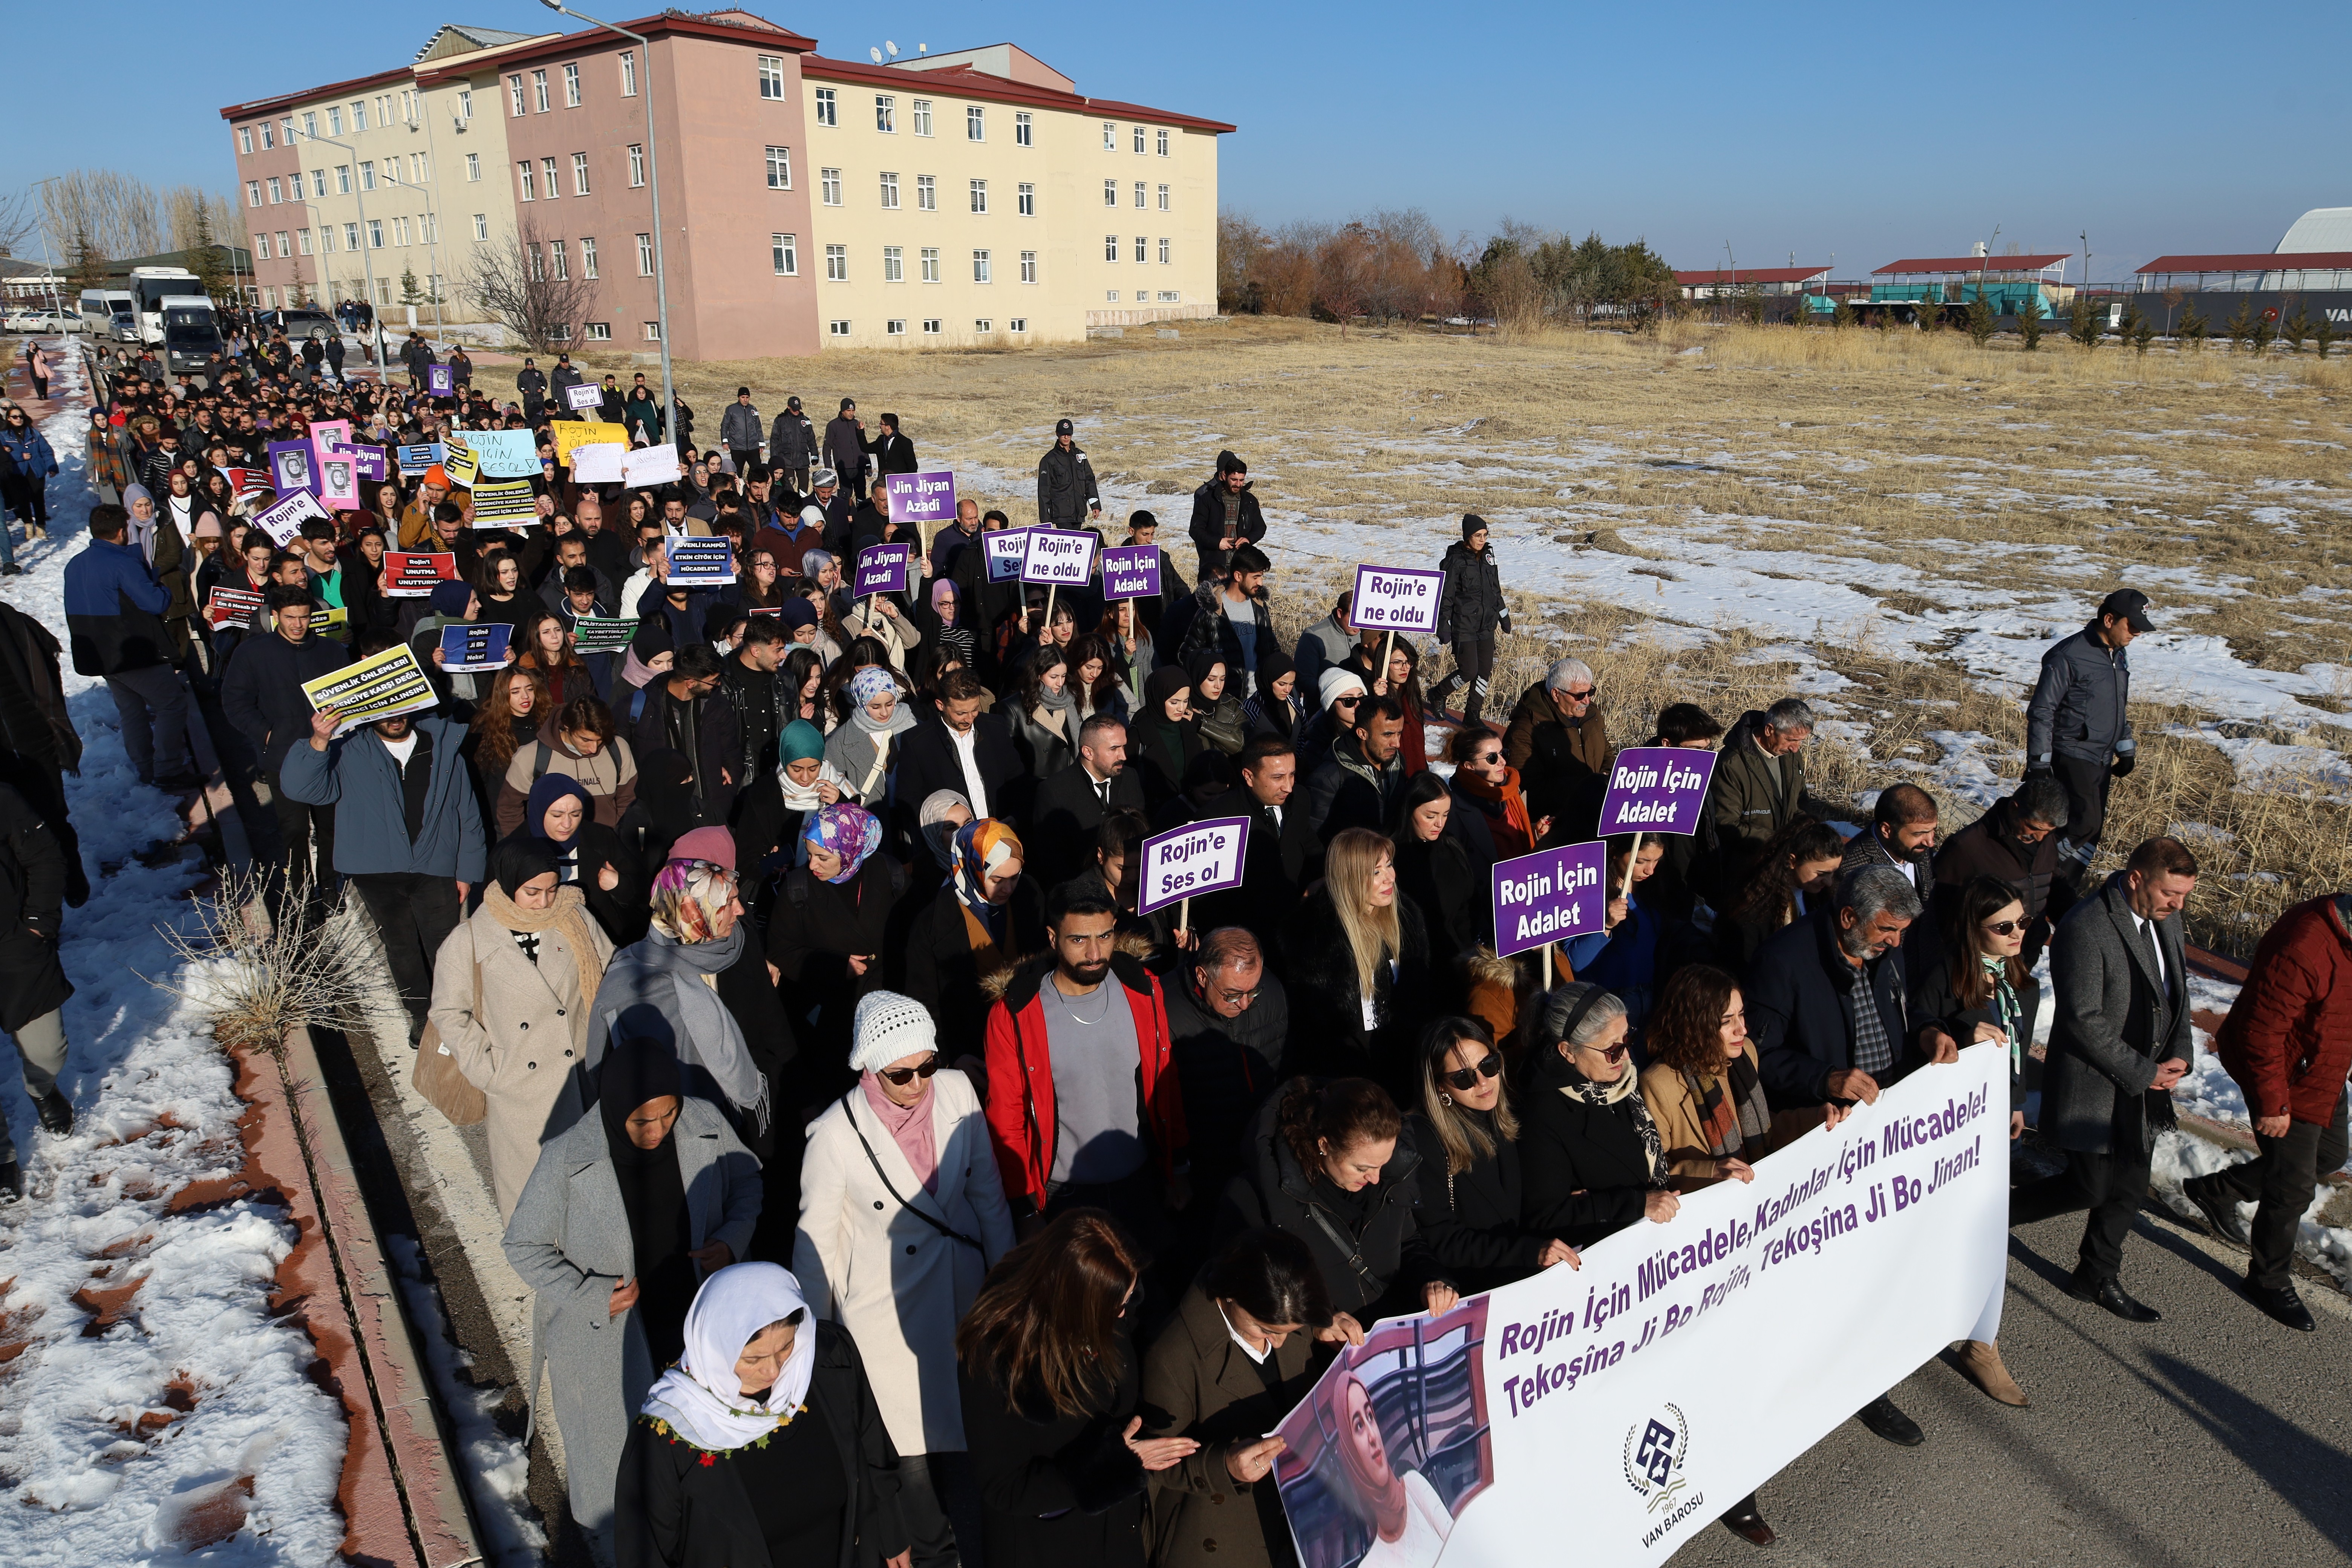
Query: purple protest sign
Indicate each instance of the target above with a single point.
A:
(1188, 861)
(927, 500)
(440, 381)
(882, 569)
(293, 465)
(1131, 571)
(1395, 599)
(370, 460)
(1656, 789)
(1549, 896)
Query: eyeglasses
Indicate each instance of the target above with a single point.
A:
(902, 1076)
(1238, 998)
(1587, 695)
(1487, 759)
(1467, 1079)
(1615, 1053)
(2005, 928)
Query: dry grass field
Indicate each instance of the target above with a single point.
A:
(1894, 525)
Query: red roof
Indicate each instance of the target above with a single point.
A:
(1737, 275)
(1969, 264)
(261, 108)
(2257, 261)
(969, 83)
(719, 26)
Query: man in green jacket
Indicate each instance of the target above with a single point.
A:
(1759, 784)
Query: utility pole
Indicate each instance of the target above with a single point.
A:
(376, 328)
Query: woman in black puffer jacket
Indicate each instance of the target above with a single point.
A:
(1589, 1158)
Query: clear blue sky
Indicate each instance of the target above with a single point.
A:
(1869, 131)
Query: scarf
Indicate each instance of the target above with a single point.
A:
(939, 833)
(653, 1191)
(565, 918)
(545, 791)
(1506, 808)
(143, 534)
(699, 1400)
(2005, 1002)
(909, 1127)
(981, 846)
(1732, 1113)
(846, 828)
(658, 990)
(808, 800)
(1621, 1090)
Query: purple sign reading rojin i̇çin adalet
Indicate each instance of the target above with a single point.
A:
(1130, 571)
(1656, 789)
(1549, 896)
(927, 500)
(882, 569)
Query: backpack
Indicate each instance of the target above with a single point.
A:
(435, 1074)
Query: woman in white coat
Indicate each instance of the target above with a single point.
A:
(902, 1215)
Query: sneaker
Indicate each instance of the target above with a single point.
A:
(11, 569)
(57, 1114)
(12, 1184)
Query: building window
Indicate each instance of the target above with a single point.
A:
(837, 328)
(268, 139)
(1110, 192)
(599, 332)
(980, 267)
(1139, 141)
(1138, 195)
(931, 326)
(359, 114)
(890, 191)
(334, 120)
(588, 258)
(1023, 130)
(1111, 247)
(310, 123)
(1163, 250)
(570, 87)
(1163, 198)
(1028, 268)
(885, 113)
(628, 73)
(514, 97)
(897, 329)
(539, 90)
(1017, 324)
(829, 182)
(343, 179)
(1142, 250)
(473, 166)
(784, 250)
(779, 168)
(420, 168)
(375, 233)
(979, 195)
(837, 264)
(538, 262)
(1170, 296)
(1027, 199)
(772, 78)
(253, 192)
(926, 194)
(828, 111)
(1110, 137)
(261, 245)
(922, 117)
(481, 226)
(318, 182)
(245, 140)
(523, 169)
(367, 174)
(302, 240)
(931, 264)
(400, 231)
(644, 256)
(894, 264)
(578, 174)
(636, 165)
(351, 236)
(464, 103)
(562, 258)
(1164, 143)
(392, 171)
(984, 326)
(975, 122)
(652, 331)
(547, 165)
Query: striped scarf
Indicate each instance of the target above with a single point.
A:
(1732, 1114)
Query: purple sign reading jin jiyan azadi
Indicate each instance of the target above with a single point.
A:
(1656, 789)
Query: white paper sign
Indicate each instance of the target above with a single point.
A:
(1007, 549)
(283, 522)
(585, 396)
(1060, 555)
(655, 465)
(1192, 860)
(598, 464)
(1396, 599)
(505, 454)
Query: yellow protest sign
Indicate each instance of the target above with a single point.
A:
(570, 433)
(461, 464)
(375, 688)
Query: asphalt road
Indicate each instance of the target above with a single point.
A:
(2212, 1439)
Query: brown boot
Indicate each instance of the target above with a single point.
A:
(1980, 1363)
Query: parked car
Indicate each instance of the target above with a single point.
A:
(302, 322)
(40, 322)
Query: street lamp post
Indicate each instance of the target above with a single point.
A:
(376, 329)
(54, 308)
(653, 155)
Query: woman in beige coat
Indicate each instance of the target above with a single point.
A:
(902, 1215)
(511, 993)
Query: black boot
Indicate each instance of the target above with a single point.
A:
(2107, 1293)
(1744, 1521)
(2282, 1304)
(1882, 1417)
(2218, 1207)
(57, 1114)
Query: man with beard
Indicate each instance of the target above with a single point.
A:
(1825, 1007)
(1901, 834)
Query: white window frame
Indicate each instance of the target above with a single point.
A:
(310, 123)
(1025, 199)
(1017, 324)
(268, 138)
(1028, 267)
(375, 233)
(1141, 197)
(578, 174)
(982, 269)
(367, 174)
(885, 113)
(929, 260)
(549, 167)
(302, 241)
(523, 169)
(636, 165)
(1164, 250)
(561, 253)
(837, 329)
(772, 77)
(253, 192)
(598, 331)
(983, 324)
(1110, 250)
(1024, 128)
(245, 140)
(481, 226)
(975, 122)
(644, 256)
(890, 191)
(1142, 249)
(540, 100)
(1110, 137)
(837, 264)
(343, 179)
(927, 192)
(828, 183)
(514, 97)
(931, 326)
(784, 254)
(628, 73)
(400, 231)
(318, 182)
(1163, 134)
(829, 106)
(979, 198)
(922, 107)
(1110, 192)
(1139, 141)
(572, 86)
(588, 258)
(896, 327)
(1163, 198)
(473, 166)
(894, 264)
(652, 331)
(351, 236)
(277, 191)
(779, 168)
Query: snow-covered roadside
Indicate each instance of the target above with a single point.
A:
(154, 1397)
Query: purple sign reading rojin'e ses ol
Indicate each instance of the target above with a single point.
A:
(927, 500)
(882, 569)
(1549, 896)
(1656, 789)
(1130, 571)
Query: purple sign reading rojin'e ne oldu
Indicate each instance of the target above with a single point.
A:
(1656, 789)
(927, 500)
(1130, 571)
(1549, 896)
(882, 569)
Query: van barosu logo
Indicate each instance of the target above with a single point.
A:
(1655, 1450)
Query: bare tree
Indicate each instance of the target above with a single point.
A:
(531, 286)
(116, 211)
(19, 218)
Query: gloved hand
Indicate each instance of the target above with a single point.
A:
(1507, 623)
(2038, 770)
(2124, 763)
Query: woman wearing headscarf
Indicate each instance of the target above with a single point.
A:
(1407, 1520)
(986, 919)
(943, 814)
(769, 809)
(559, 814)
(864, 750)
(830, 925)
(902, 1215)
(625, 1210)
(510, 991)
(1162, 741)
(1274, 708)
(944, 624)
(1588, 1152)
(1044, 720)
(166, 552)
(1217, 715)
(763, 1446)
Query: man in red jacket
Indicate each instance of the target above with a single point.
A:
(1083, 1103)
(2288, 1043)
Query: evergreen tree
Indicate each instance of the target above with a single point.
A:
(1979, 318)
(2194, 329)
(2323, 335)
(2087, 320)
(2239, 327)
(2030, 316)
(2294, 328)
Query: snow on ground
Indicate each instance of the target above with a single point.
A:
(113, 1437)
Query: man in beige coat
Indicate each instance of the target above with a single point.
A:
(902, 1215)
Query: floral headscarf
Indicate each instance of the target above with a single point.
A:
(869, 683)
(687, 898)
(982, 846)
(846, 828)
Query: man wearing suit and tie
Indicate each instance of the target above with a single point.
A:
(2120, 1042)
(1071, 804)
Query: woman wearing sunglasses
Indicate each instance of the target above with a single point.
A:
(1591, 1161)
(902, 1215)
(1471, 1191)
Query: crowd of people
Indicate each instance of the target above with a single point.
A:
(882, 1174)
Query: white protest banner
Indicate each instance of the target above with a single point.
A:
(598, 463)
(1007, 549)
(1395, 599)
(283, 520)
(1635, 1398)
(1188, 861)
(506, 503)
(655, 465)
(1060, 557)
(469, 646)
(700, 563)
(505, 454)
(376, 687)
(581, 398)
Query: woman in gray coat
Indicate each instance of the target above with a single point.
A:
(623, 1216)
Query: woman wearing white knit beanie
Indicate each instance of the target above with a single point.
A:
(902, 1215)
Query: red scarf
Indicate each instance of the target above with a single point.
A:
(1513, 833)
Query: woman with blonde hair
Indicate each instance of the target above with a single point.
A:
(1358, 958)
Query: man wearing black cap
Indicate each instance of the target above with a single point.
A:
(791, 448)
(739, 431)
(565, 377)
(1067, 496)
(845, 448)
(2078, 729)
(532, 382)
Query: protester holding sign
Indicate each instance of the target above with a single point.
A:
(262, 695)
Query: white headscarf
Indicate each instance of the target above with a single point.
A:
(701, 1398)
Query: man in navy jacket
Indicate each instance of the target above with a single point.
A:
(114, 610)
